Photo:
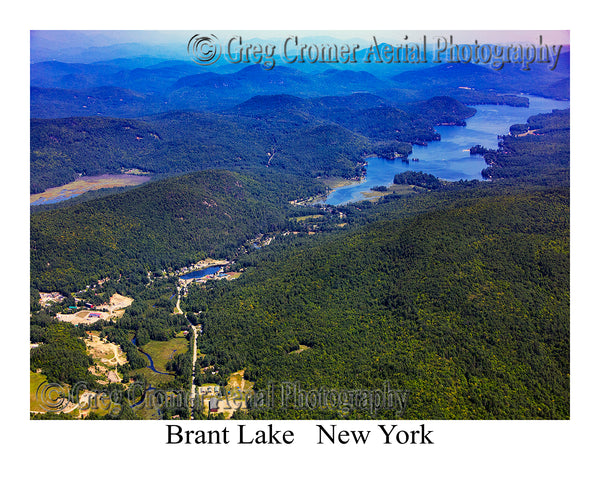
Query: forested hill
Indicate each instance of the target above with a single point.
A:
(315, 137)
(169, 223)
(535, 152)
(468, 80)
(466, 307)
(459, 296)
(178, 142)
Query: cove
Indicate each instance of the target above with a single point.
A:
(449, 158)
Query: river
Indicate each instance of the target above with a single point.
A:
(151, 366)
(449, 158)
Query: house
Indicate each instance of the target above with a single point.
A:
(213, 405)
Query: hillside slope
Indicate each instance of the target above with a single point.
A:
(166, 223)
(466, 307)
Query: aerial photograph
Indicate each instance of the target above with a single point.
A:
(299, 225)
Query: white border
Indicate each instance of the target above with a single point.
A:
(463, 449)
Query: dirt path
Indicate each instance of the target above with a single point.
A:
(178, 309)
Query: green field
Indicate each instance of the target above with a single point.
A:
(35, 380)
(162, 353)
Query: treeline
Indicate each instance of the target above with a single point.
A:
(420, 179)
(66, 90)
(179, 142)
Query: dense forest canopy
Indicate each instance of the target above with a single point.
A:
(538, 151)
(456, 306)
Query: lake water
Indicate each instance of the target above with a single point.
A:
(201, 273)
(449, 158)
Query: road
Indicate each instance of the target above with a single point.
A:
(196, 329)
(194, 357)
(178, 309)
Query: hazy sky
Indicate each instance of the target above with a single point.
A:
(110, 37)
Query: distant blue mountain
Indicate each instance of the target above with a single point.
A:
(181, 84)
(510, 79)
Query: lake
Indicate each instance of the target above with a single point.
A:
(201, 273)
(449, 158)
